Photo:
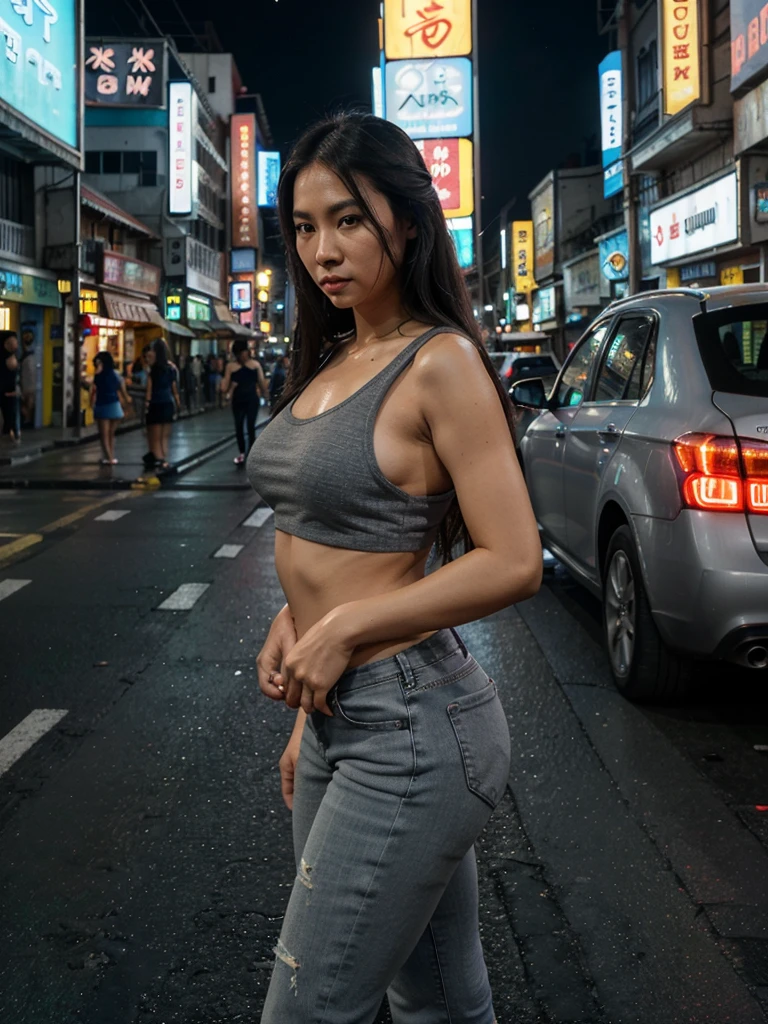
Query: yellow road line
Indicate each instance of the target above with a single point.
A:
(9, 551)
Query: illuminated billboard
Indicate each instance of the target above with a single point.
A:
(39, 75)
(450, 164)
(182, 172)
(439, 28)
(680, 54)
(243, 155)
(430, 98)
(125, 74)
(268, 164)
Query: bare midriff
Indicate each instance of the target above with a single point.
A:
(317, 578)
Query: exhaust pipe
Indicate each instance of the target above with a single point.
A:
(757, 656)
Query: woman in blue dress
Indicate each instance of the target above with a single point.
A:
(108, 397)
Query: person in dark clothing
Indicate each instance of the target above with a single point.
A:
(244, 381)
(279, 377)
(9, 385)
(162, 403)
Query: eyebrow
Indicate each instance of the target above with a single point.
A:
(335, 208)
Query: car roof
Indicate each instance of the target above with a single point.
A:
(706, 299)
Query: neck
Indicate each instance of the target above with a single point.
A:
(379, 319)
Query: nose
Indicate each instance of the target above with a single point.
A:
(327, 252)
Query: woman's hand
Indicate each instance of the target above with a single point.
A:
(315, 664)
(269, 663)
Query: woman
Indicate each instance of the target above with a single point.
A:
(244, 382)
(400, 749)
(108, 399)
(9, 385)
(162, 402)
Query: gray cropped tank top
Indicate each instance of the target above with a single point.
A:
(321, 477)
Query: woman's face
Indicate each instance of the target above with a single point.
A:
(11, 343)
(338, 245)
(98, 366)
(149, 357)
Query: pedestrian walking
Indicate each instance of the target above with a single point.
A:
(28, 376)
(162, 404)
(278, 379)
(244, 383)
(197, 375)
(108, 400)
(136, 383)
(9, 385)
(401, 438)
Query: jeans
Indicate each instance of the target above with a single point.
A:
(245, 413)
(389, 797)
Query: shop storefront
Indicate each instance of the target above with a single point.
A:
(30, 304)
(697, 237)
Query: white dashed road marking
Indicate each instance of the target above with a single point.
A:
(8, 587)
(259, 517)
(112, 515)
(28, 732)
(229, 551)
(175, 494)
(181, 600)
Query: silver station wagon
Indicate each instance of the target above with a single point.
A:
(647, 466)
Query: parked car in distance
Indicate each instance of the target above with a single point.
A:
(513, 366)
(647, 466)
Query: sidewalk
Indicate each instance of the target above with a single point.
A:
(37, 442)
(69, 464)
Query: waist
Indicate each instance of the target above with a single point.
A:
(444, 651)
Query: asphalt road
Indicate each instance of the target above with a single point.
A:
(145, 855)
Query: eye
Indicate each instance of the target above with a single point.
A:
(350, 220)
(300, 229)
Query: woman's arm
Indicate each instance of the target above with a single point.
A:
(92, 396)
(226, 382)
(464, 417)
(263, 386)
(149, 388)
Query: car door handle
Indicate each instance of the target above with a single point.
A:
(560, 431)
(611, 431)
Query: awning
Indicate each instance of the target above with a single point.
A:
(89, 196)
(171, 326)
(231, 327)
(201, 326)
(120, 307)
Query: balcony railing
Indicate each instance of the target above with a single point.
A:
(204, 260)
(17, 240)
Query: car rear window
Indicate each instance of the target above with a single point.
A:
(733, 344)
(535, 364)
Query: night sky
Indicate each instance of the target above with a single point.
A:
(538, 71)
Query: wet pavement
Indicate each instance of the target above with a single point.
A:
(145, 853)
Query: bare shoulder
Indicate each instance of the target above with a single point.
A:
(450, 362)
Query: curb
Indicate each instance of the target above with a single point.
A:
(122, 484)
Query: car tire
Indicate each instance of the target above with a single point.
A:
(644, 668)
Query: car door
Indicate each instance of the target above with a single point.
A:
(544, 441)
(594, 437)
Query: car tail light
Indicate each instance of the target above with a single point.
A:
(722, 474)
(509, 372)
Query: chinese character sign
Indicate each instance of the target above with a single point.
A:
(181, 135)
(610, 107)
(125, 74)
(243, 156)
(680, 54)
(450, 164)
(38, 72)
(430, 97)
(749, 41)
(522, 255)
(427, 28)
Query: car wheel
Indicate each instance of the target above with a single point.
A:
(644, 668)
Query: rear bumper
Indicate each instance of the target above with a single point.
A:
(706, 583)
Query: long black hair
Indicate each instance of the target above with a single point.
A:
(359, 146)
(106, 359)
(162, 359)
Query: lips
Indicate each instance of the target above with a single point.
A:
(334, 284)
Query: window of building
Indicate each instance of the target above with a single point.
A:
(647, 74)
(212, 84)
(115, 161)
(16, 192)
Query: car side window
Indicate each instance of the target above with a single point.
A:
(573, 383)
(626, 369)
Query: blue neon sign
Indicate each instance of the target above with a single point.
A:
(38, 64)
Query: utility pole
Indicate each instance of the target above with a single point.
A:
(628, 103)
